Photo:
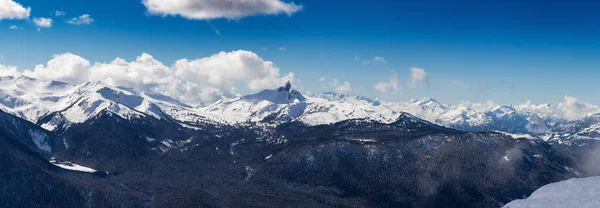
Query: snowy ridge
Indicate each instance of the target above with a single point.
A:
(29, 98)
(26, 132)
(286, 104)
(279, 105)
(56, 104)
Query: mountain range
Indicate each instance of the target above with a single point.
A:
(56, 105)
(96, 145)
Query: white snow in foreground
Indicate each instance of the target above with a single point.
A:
(578, 192)
(72, 166)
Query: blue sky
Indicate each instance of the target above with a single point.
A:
(506, 51)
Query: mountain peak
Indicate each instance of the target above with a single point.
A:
(333, 96)
(287, 87)
(282, 95)
(429, 103)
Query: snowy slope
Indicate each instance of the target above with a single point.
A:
(330, 108)
(87, 100)
(279, 105)
(28, 133)
(552, 122)
(29, 98)
(56, 104)
(580, 192)
(286, 104)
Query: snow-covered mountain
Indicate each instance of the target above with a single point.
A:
(56, 105)
(553, 122)
(286, 104)
(29, 134)
(322, 140)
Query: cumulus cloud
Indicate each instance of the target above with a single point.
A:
(42, 22)
(571, 109)
(215, 9)
(418, 76)
(84, 19)
(9, 71)
(192, 81)
(574, 109)
(282, 49)
(392, 85)
(68, 67)
(225, 68)
(10, 9)
(344, 88)
(143, 73)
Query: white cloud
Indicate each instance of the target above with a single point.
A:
(225, 68)
(376, 59)
(14, 27)
(143, 73)
(84, 19)
(574, 109)
(68, 67)
(215, 9)
(392, 85)
(59, 13)
(42, 22)
(571, 109)
(418, 76)
(344, 88)
(9, 71)
(191, 81)
(13, 10)
(282, 49)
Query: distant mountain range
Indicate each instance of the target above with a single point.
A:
(56, 105)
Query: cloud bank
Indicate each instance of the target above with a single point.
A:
(194, 82)
(10, 9)
(215, 9)
(9, 71)
(571, 109)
